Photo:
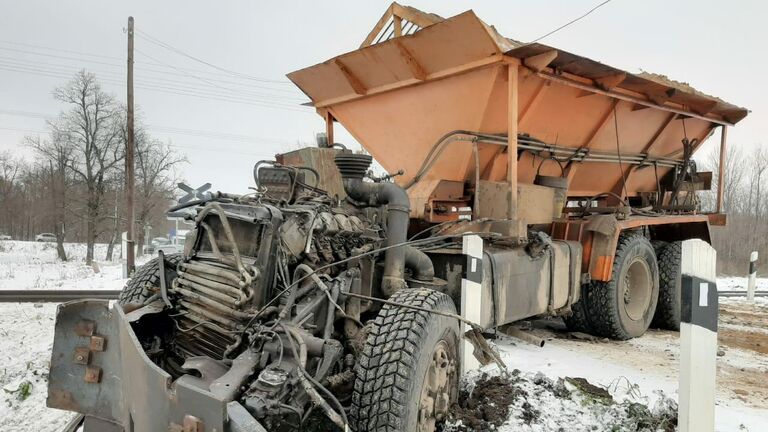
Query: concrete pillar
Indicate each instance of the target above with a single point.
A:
(471, 295)
(698, 337)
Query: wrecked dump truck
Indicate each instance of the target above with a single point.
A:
(525, 181)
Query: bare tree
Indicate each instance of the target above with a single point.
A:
(56, 155)
(91, 127)
(155, 177)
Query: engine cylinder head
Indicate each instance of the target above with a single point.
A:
(351, 165)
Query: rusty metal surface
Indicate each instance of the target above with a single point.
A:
(74, 383)
(98, 368)
(321, 159)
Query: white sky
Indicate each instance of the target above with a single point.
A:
(712, 45)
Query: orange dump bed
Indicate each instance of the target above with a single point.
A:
(399, 93)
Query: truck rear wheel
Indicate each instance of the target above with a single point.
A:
(407, 375)
(146, 280)
(578, 321)
(668, 308)
(624, 307)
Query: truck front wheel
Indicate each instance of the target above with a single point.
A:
(146, 280)
(624, 307)
(407, 375)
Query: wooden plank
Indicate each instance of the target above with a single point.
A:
(397, 22)
(721, 169)
(538, 62)
(512, 125)
(415, 16)
(625, 97)
(379, 25)
(329, 127)
(610, 81)
(355, 83)
(417, 70)
(484, 62)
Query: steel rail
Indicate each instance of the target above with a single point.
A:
(55, 296)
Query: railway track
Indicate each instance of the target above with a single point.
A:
(55, 296)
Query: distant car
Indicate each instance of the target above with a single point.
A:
(155, 243)
(5, 237)
(45, 237)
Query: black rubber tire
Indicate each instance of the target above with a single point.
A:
(391, 370)
(578, 321)
(146, 280)
(605, 304)
(668, 308)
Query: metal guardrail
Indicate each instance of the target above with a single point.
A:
(55, 296)
(741, 293)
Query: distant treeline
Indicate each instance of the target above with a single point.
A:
(74, 187)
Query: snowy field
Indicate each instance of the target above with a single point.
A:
(635, 374)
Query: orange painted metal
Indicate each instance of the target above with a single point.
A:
(399, 96)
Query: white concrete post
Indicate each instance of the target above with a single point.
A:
(752, 276)
(471, 291)
(698, 337)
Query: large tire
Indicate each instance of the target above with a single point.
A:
(668, 308)
(146, 280)
(391, 386)
(624, 307)
(578, 321)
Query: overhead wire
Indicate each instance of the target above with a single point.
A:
(573, 21)
(166, 69)
(158, 81)
(169, 90)
(146, 36)
(166, 129)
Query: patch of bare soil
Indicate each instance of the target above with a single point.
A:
(746, 340)
(744, 314)
(487, 406)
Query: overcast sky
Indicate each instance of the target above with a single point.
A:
(225, 122)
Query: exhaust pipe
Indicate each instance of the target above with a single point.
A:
(352, 168)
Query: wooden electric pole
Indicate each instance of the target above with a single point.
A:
(129, 165)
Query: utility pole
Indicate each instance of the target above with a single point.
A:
(129, 165)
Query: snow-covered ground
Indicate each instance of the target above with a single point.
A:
(26, 330)
(640, 370)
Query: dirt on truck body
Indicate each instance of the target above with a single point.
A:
(328, 298)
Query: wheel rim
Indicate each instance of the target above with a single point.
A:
(636, 286)
(439, 387)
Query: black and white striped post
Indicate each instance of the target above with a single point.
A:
(698, 337)
(471, 295)
(752, 276)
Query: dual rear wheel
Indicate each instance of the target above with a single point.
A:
(644, 291)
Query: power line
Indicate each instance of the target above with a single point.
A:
(67, 69)
(198, 93)
(169, 130)
(570, 22)
(58, 55)
(144, 35)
